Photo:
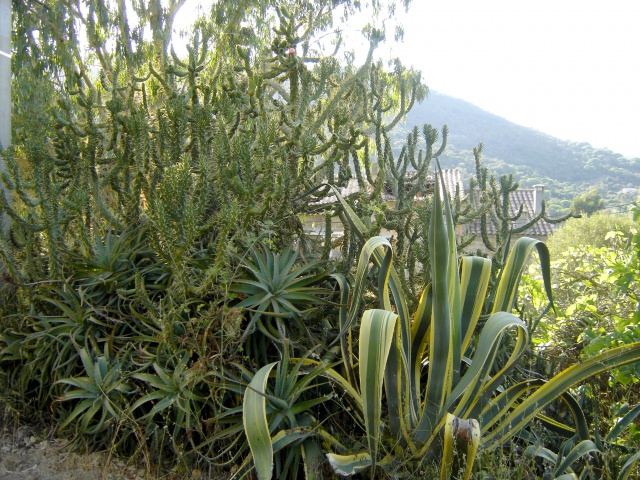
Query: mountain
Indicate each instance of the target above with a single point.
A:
(565, 168)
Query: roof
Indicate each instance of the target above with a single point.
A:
(522, 197)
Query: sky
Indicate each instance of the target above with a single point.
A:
(568, 68)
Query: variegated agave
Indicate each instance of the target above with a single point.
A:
(441, 388)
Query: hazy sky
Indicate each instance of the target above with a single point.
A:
(569, 68)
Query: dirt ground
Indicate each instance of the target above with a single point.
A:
(26, 454)
(33, 453)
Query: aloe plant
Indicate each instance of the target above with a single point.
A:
(562, 461)
(277, 288)
(281, 432)
(101, 395)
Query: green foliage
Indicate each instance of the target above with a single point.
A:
(159, 291)
(590, 231)
(135, 177)
(588, 202)
(561, 462)
(596, 300)
(102, 393)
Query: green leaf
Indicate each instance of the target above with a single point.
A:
(523, 413)
(349, 464)
(475, 273)
(622, 424)
(376, 334)
(581, 449)
(256, 426)
(510, 274)
(627, 468)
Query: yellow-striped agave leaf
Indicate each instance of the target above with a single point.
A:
(346, 339)
(529, 407)
(376, 335)
(420, 331)
(476, 381)
(349, 464)
(455, 300)
(360, 283)
(475, 273)
(256, 427)
(444, 341)
(398, 357)
(510, 276)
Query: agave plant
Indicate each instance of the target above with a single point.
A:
(441, 388)
(50, 343)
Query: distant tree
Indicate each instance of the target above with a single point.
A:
(588, 203)
(591, 231)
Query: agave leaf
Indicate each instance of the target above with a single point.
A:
(474, 280)
(398, 357)
(313, 458)
(346, 341)
(349, 464)
(444, 341)
(627, 468)
(459, 431)
(510, 275)
(280, 440)
(376, 334)
(523, 413)
(256, 427)
(447, 454)
(360, 283)
(476, 386)
(455, 301)
(622, 424)
(583, 448)
(420, 333)
(312, 454)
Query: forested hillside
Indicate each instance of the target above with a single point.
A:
(565, 168)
